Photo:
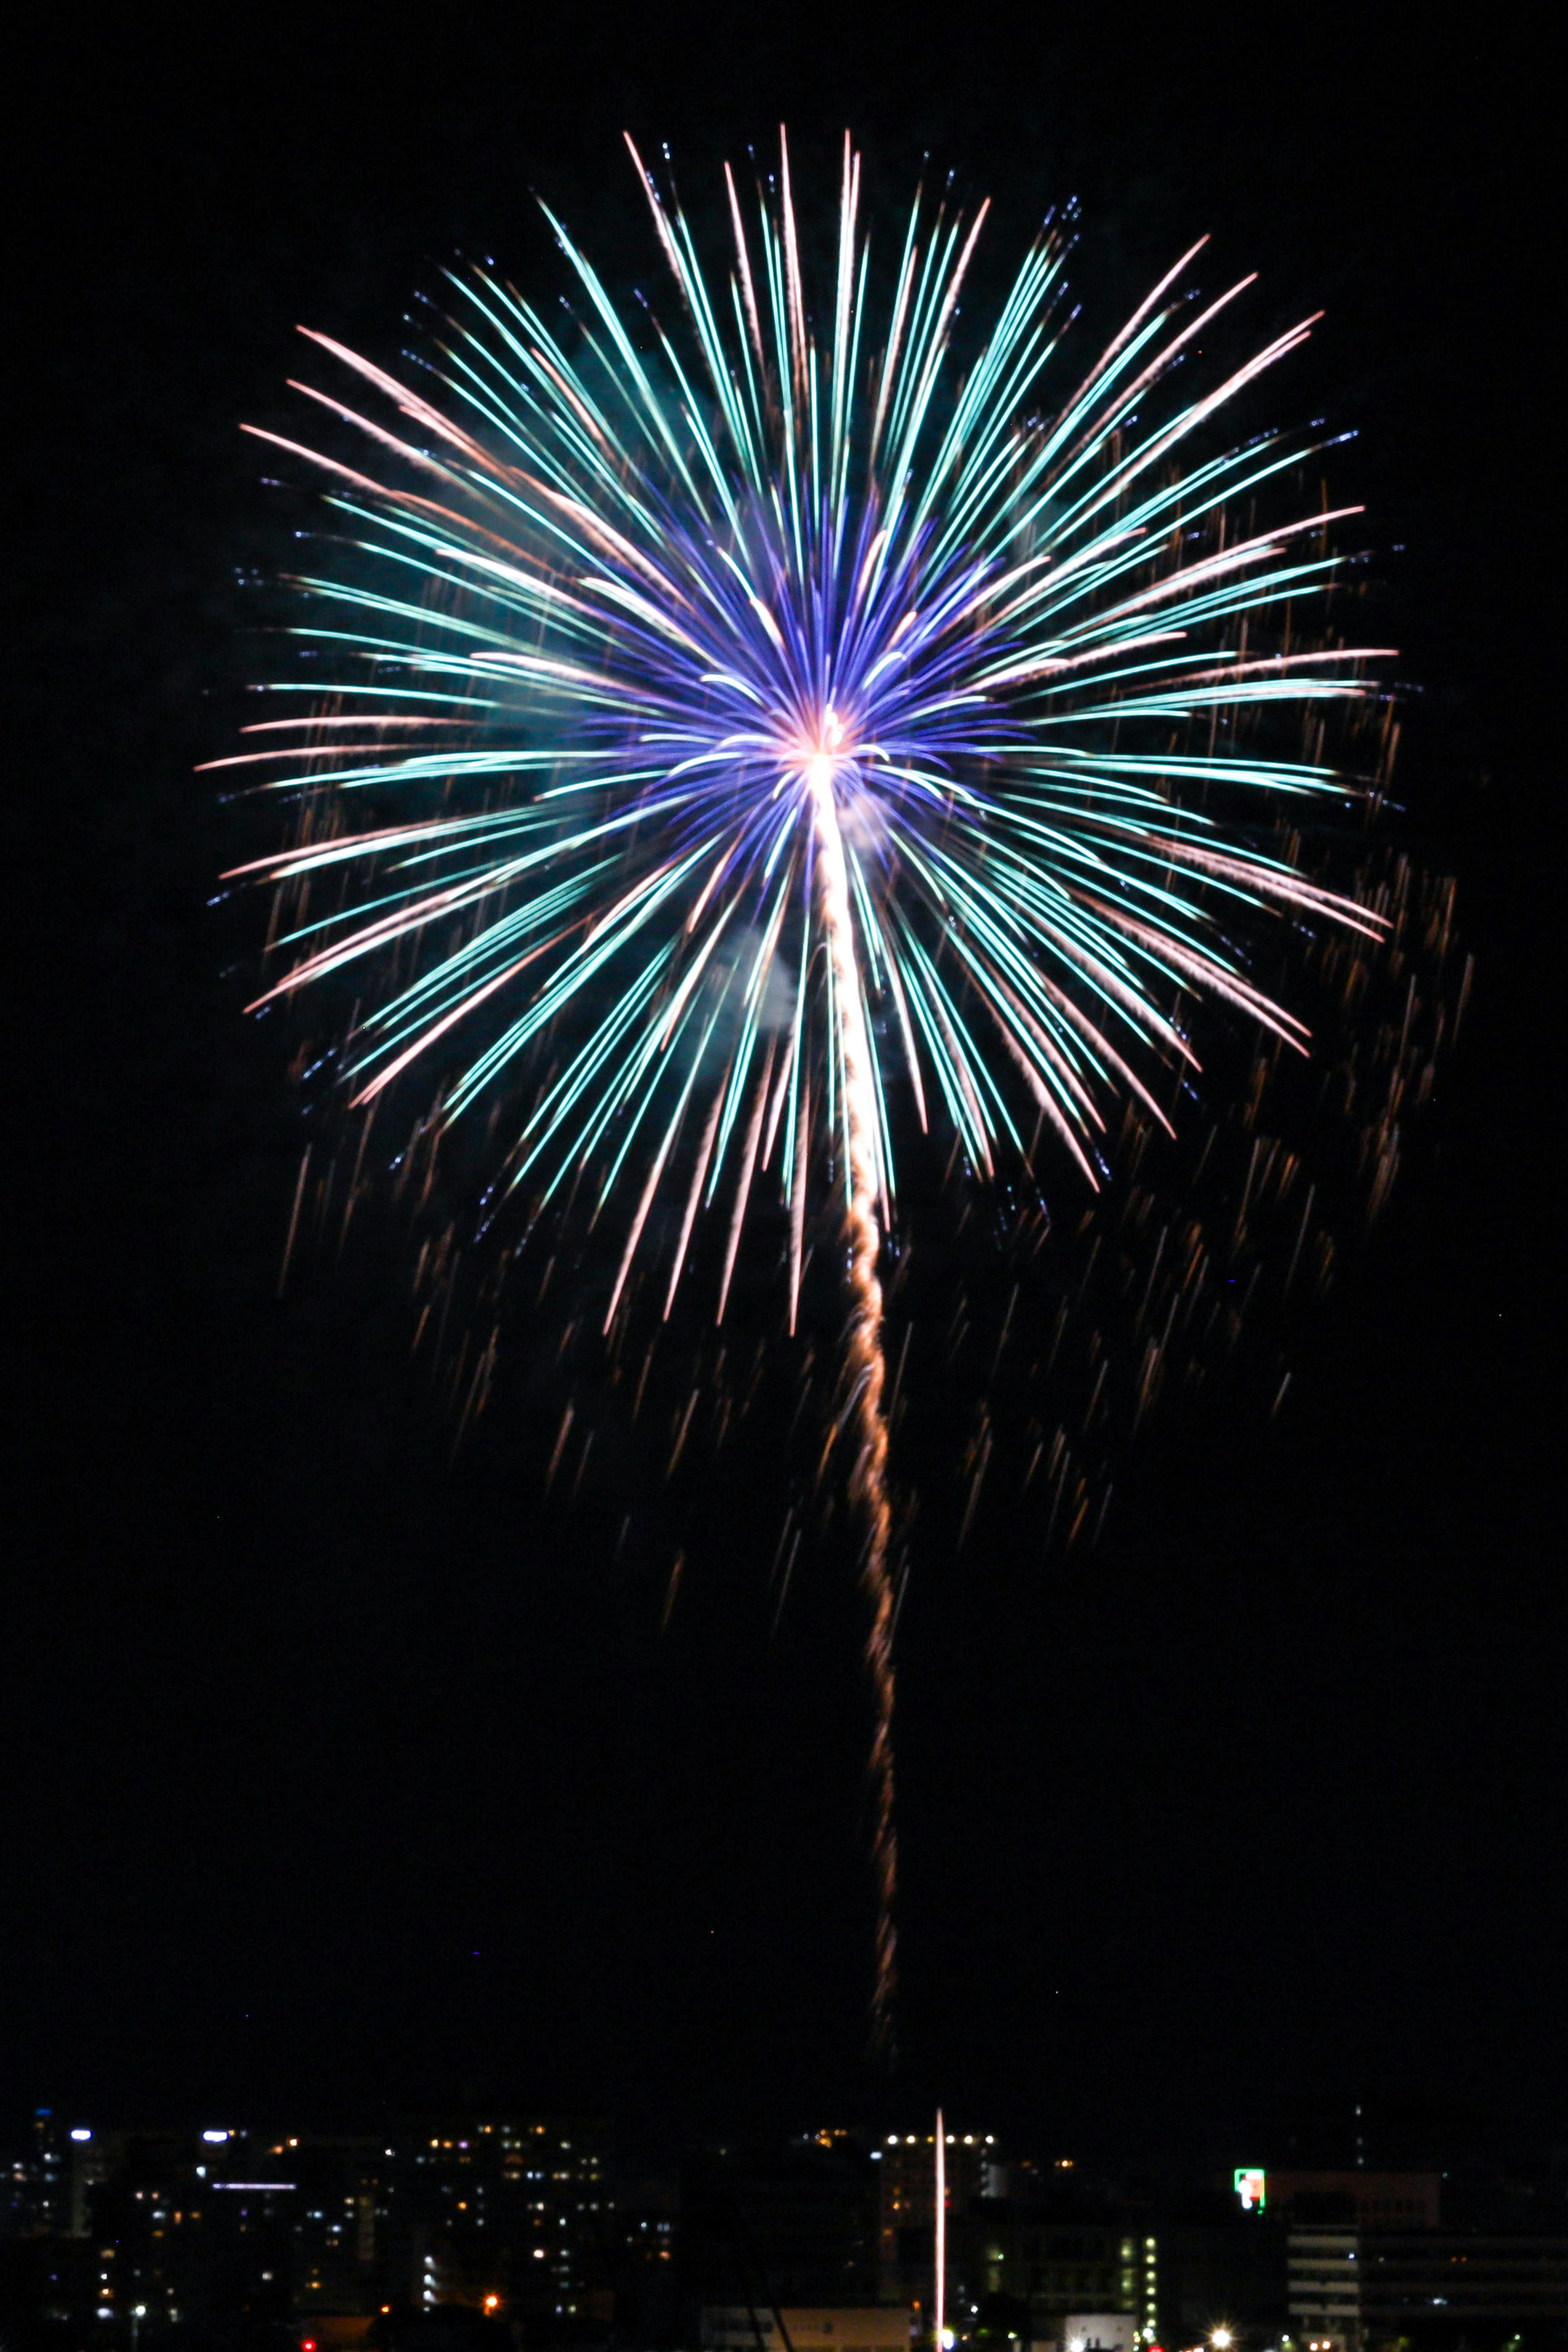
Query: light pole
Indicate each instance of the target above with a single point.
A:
(941, 2296)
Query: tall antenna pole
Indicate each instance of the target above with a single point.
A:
(941, 2297)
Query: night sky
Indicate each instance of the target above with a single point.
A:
(337, 1773)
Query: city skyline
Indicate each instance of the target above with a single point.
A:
(828, 2241)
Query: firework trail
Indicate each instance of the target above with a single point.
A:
(865, 1368)
(723, 745)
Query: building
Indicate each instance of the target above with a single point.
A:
(339, 2223)
(219, 2228)
(506, 2215)
(203, 2225)
(1100, 2331)
(739, 2327)
(1368, 2200)
(906, 2200)
(1447, 2288)
(1226, 2272)
(979, 2184)
(795, 2225)
(1389, 2291)
(1053, 2269)
(47, 2183)
(1324, 2288)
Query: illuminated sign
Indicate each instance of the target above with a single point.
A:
(1249, 2183)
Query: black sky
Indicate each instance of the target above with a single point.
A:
(334, 1773)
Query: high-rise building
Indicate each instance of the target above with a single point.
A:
(38, 2178)
(504, 2214)
(1325, 2282)
(905, 2166)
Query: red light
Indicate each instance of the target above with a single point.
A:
(308, 2344)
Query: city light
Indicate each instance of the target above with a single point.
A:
(82, 2132)
(364, 2219)
(214, 2138)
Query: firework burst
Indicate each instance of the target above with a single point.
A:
(744, 736)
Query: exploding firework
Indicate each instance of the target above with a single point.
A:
(735, 741)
